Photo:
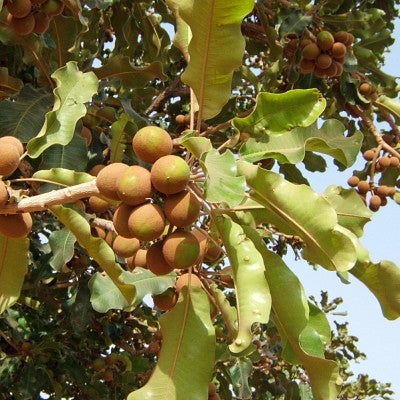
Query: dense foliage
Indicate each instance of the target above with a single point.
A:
(147, 263)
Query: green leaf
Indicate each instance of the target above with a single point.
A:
(63, 176)
(74, 88)
(120, 136)
(383, 280)
(214, 26)
(222, 183)
(197, 145)
(13, 267)
(390, 105)
(240, 373)
(295, 23)
(280, 112)
(62, 246)
(352, 213)
(291, 147)
(185, 366)
(97, 248)
(119, 67)
(252, 292)
(106, 296)
(298, 210)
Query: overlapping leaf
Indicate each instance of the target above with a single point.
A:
(13, 267)
(252, 291)
(62, 247)
(63, 176)
(185, 365)
(120, 137)
(390, 105)
(277, 113)
(291, 147)
(74, 88)
(240, 374)
(216, 48)
(298, 210)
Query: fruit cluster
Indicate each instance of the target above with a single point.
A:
(11, 225)
(325, 55)
(27, 16)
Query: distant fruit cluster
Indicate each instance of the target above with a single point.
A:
(27, 16)
(325, 55)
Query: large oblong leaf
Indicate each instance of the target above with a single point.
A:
(63, 176)
(252, 292)
(215, 50)
(186, 359)
(298, 210)
(74, 88)
(281, 112)
(13, 267)
(62, 246)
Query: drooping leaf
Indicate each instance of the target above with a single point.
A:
(24, 117)
(291, 147)
(383, 280)
(13, 267)
(119, 67)
(62, 247)
(390, 105)
(183, 33)
(214, 26)
(240, 373)
(97, 248)
(106, 296)
(252, 292)
(63, 176)
(121, 136)
(185, 366)
(74, 88)
(298, 210)
(277, 113)
(197, 145)
(222, 183)
(352, 213)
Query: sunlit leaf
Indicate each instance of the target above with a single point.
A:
(184, 365)
(63, 176)
(13, 267)
(252, 292)
(389, 104)
(214, 26)
(62, 247)
(74, 88)
(240, 373)
(281, 112)
(197, 145)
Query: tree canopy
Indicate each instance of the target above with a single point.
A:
(154, 159)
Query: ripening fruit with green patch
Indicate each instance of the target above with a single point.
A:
(155, 260)
(151, 143)
(107, 179)
(170, 174)
(181, 249)
(16, 225)
(325, 40)
(134, 185)
(182, 209)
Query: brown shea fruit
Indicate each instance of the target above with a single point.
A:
(125, 247)
(306, 66)
(9, 159)
(15, 225)
(139, 258)
(3, 194)
(369, 155)
(182, 209)
(353, 181)
(146, 222)
(341, 37)
(323, 61)
(170, 174)
(98, 205)
(311, 52)
(339, 68)
(165, 301)
(180, 119)
(363, 187)
(12, 140)
(325, 40)
(120, 220)
(96, 169)
(375, 202)
(107, 178)
(21, 26)
(365, 89)
(202, 238)
(98, 231)
(42, 23)
(186, 279)
(19, 8)
(394, 162)
(151, 143)
(134, 185)
(181, 249)
(384, 162)
(155, 260)
(339, 50)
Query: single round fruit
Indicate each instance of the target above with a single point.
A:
(384, 162)
(363, 187)
(369, 155)
(311, 52)
(181, 249)
(375, 202)
(353, 181)
(325, 40)
(21, 26)
(139, 259)
(166, 301)
(134, 185)
(16, 225)
(125, 247)
(3, 194)
(96, 169)
(19, 8)
(306, 66)
(182, 209)
(394, 162)
(146, 222)
(12, 140)
(365, 89)
(180, 119)
(186, 280)
(98, 205)
(151, 143)
(339, 50)
(120, 220)
(170, 174)
(341, 37)
(42, 23)
(9, 159)
(323, 61)
(53, 7)
(339, 68)
(155, 260)
(329, 72)
(107, 178)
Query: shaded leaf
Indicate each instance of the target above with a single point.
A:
(280, 112)
(240, 373)
(295, 23)
(62, 246)
(298, 210)
(74, 88)
(214, 26)
(252, 292)
(184, 366)
(13, 267)
(9, 85)
(122, 131)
